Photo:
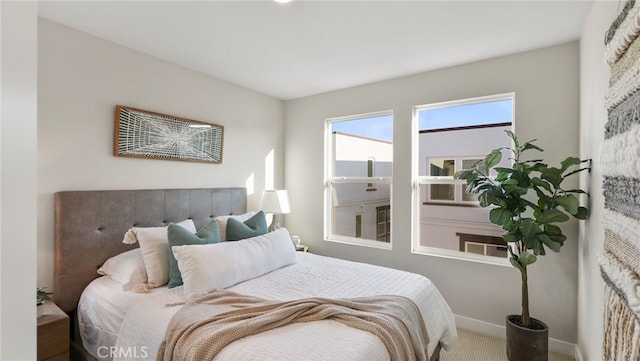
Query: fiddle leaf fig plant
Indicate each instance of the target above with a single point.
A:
(528, 202)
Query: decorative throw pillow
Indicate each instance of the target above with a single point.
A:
(179, 236)
(155, 250)
(208, 267)
(127, 268)
(252, 227)
(222, 222)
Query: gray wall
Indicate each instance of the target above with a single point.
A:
(594, 78)
(18, 163)
(80, 80)
(546, 84)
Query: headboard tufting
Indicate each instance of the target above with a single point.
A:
(90, 225)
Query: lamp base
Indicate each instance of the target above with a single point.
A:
(274, 223)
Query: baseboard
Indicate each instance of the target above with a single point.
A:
(578, 354)
(490, 329)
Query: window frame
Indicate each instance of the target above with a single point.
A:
(418, 181)
(458, 192)
(330, 180)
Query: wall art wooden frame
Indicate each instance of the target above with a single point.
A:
(145, 134)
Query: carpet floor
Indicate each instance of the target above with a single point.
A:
(472, 346)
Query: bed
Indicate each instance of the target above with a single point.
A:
(89, 230)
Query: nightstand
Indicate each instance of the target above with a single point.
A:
(53, 334)
(302, 248)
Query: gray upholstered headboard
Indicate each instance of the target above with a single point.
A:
(90, 225)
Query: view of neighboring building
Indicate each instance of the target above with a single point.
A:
(362, 210)
(450, 218)
(451, 136)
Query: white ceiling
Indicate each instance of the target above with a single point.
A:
(309, 47)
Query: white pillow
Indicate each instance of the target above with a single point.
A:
(222, 222)
(126, 268)
(154, 244)
(205, 268)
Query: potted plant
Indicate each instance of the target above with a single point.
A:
(41, 297)
(528, 201)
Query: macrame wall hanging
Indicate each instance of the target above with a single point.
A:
(620, 257)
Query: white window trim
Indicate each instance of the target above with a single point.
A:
(330, 180)
(416, 248)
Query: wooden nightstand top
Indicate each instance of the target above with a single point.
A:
(52, 313)
(53, 333)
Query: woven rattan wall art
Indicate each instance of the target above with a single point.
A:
(144, 134)
(620, 256)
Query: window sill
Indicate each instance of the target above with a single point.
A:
(461, 256)
(360, 242)
(452, 204)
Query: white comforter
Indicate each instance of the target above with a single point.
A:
(145, 323)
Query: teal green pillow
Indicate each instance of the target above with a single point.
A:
(252, 227)
(180, 236)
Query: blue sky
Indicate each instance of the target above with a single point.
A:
(499, 111)
(381, 127)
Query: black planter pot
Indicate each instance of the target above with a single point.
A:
(527, 344)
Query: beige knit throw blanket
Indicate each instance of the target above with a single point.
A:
(202, 328)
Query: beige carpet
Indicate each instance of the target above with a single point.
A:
(472, 346)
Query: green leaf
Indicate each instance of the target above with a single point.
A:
(472, 178)
(510, 237)
(515, 263)
(510, 226)
(501, 176)
(505, 170)
(568, 202)
(543, 198)
(582, 213)
(513, 137)
(569, 162)
(538, 248)
(462, 174)
(554, 233)
(529, 145)
(552, 216)
(522, 177)
(525, 258)
(528, 228)
(552, 175)
(554, 246)
(515, 190)
(488, 197)
(541, 183)
(492, 159)
(499, 216)
(480, 185)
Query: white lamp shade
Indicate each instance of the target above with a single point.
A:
(275, 201)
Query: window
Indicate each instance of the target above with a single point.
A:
(483, 245)
(449, 194)
(449, 137)
(441, 167)
(383, 223)
(370, 172)
(358, 177)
